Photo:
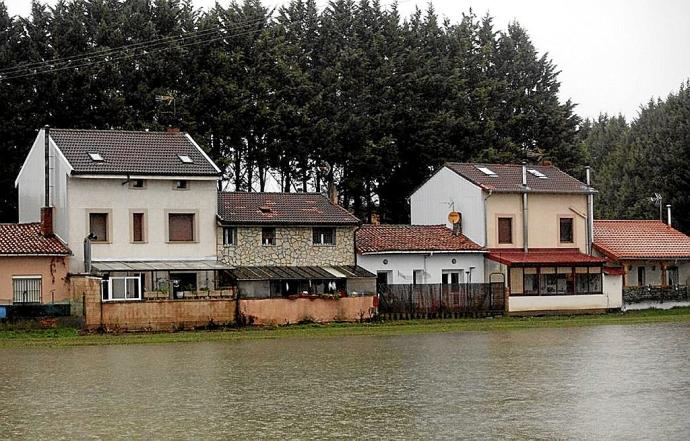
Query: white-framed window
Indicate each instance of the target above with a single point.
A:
(324, 236)
(452, 277)
(26, 289)
(119, 288)
(229, 236)
(181, 184)
(268, 236)
(418, 277)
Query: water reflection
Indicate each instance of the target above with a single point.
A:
(609, 382)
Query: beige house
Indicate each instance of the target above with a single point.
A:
(536, 223)
(289, 244)
(33, 265)
(137, 208)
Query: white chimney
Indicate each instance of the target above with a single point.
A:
(668, 214)
(524, 174)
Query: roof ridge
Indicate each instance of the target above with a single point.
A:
(53, 129)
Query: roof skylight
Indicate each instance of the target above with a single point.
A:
(487, 171)
(186, 159)
(538, 174)
(96, 157)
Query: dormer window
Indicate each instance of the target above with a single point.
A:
(96, 157)
(181, 184)
(264, 209)
(186, 159)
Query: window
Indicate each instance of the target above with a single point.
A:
(487, 171)
(96, 157)
(268, 236)
(137, 227)
(26, 289)
(137, 184)
(566, 229)
(98, 226)
(672, 272)
(383, 279)
(417, 277)
(537, 173)
(122, 288)
(451, 277)
(186, 159)
(505, 230)
(180, 227)
(324, 236)
(181, 184)
(229, 236)
(530, 281)
(641, 276)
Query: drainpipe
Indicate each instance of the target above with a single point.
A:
(668, 214)
(525, 226)
(590, 210)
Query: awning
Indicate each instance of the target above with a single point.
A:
(543, 257)
(299, 272)
(158, 265)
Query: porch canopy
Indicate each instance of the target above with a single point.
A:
(543, 257)
(158, 265)
(299, 272)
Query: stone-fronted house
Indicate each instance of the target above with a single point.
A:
(33, 265)
(137, 208)
(284, 244)
(418, 255)
(648, 252)
(536, 223)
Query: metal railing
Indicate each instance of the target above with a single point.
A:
(437, 300)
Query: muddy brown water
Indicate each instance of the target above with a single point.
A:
(604, 382)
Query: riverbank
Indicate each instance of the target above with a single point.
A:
(71, 337)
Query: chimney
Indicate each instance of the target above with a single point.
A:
(668, 214)
(590, 210)
(46, 211)
(173, 130)
(333, 193)
(525, 214)
(524, 174)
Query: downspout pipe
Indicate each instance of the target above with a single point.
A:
(590, 210)
(525, 225)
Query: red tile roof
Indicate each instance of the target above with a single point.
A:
(640, 239)
(238, 208)
(380, 238)
(542, 256)
(131, 152)
(26, 239)
(508, 178)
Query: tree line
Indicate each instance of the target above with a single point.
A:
(353, 94)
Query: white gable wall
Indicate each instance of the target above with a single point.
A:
(31, 184)
(431, 203)
(403, 265)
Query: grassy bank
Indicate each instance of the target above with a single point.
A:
(71, 337)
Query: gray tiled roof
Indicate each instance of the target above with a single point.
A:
(238, 208)
(508, 178)
(129, 152)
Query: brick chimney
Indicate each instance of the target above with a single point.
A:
(47, 222)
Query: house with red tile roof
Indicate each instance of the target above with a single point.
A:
(648, 252)
(283, 244)
(143, 205)
(418, 255)
(535, 222)
(33, 265)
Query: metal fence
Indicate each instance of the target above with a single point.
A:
(441, 301)
(660, 294)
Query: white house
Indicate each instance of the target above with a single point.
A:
(535, 222)
(419, 254)
(146, 200)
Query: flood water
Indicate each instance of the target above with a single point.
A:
(605, 382)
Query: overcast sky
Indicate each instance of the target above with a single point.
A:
(614, 54)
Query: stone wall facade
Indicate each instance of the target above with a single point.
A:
(294, 247)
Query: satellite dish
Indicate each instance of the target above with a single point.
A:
(325, 167)
(454, 217)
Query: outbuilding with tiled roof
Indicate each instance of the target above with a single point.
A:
(33, 266)
(650, 252)
(419, 254)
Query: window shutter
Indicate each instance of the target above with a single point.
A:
(138, 227)
(505, 230)
(181, 227)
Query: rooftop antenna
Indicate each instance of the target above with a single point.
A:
(657, 201)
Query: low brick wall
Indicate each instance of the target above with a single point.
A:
(158, 315)
(290, 311)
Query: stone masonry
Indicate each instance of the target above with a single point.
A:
(294, 247)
